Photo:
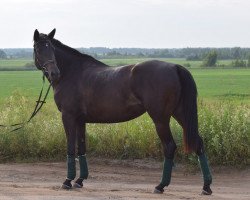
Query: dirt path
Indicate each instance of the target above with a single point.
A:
(116, 180)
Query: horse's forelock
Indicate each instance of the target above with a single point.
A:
(43, 36)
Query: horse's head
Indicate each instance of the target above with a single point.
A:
(44, 55)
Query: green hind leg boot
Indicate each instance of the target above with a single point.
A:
(207, 177)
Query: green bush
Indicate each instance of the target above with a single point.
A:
(224, 127)
(210, 59)
(239, 63)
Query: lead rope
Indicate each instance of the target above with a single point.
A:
(38, 106)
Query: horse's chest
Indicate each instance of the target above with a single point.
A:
(68, 100)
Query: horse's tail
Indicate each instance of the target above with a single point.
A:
(188, 103)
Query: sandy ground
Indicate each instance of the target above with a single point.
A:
(112, 179)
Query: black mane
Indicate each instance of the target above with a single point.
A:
(75, 52)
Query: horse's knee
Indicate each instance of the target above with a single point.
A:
(169, 150)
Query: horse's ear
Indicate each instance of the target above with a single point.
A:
(52, 34)
(36, 35)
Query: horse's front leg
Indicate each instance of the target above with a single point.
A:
(70, 126)
(81, 129)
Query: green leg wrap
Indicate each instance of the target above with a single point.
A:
(207, 177)
(71, 167)
(83, 167)
(167, 170)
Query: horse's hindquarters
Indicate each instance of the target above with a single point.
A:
(157, 86)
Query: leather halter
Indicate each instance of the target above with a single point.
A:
(37, 62)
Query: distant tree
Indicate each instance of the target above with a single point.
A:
(236, 53)
(140, 54)
(210, 59)
(187, 65)
(248, 61)
(95, 55)
(193, 57)
(3, 55)
(30, 66)
(239, 63)
(113, 54)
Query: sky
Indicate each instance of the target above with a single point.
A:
(127, 23)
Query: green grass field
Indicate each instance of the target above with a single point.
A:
(181, 61)
(18, 64)
(223, 121)
(13, 64)
(223, 83)
(27, 82)
(212, 83)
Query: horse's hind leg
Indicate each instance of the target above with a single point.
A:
(207, 177)
(169, 147)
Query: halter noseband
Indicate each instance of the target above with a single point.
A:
(43, 67)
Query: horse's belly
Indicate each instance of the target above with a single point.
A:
(114, 114)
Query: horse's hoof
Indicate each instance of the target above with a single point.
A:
(67, 185)
(158, 190)
(76, 185)
(206, 190)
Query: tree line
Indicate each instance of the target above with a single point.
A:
(103, 52)
(209, 56)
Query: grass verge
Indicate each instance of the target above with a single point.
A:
(224, 127)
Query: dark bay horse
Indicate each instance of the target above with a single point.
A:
(88, 91)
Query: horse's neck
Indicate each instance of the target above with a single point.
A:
(67, 61)
(64, 60)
